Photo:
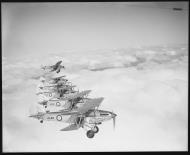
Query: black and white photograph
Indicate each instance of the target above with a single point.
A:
(94, 76)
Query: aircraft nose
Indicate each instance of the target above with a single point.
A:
(113, 115)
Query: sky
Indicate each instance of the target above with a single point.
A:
(35, 28)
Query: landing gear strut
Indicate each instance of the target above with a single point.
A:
(95, 129)
(90, 134)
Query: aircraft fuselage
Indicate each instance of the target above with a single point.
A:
(98, 116)
(54, 116)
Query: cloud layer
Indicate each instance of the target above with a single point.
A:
(146, 87)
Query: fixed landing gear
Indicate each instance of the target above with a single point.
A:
(41, 121)
(90, 134)
(96, 129)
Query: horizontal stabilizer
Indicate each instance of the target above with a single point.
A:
(38, 115)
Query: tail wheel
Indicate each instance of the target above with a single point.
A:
(96, 129)
(41, 121)
(90, 134)
(59, 117)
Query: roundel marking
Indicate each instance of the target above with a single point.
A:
(59, 117)
(58, 104)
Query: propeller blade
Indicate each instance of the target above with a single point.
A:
(113, 116)
(113, 122)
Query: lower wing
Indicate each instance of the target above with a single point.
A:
(71, 127)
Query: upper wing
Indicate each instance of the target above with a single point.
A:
(50, 85)
(70, 127)
(83, 93)
(78, 94)
(61, 82)
(70, 96)
(60, 77)
(58, 63)
(54, 99)
(90, 104)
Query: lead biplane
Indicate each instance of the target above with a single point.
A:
(87, 117)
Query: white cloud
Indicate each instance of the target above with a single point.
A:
(151, 103)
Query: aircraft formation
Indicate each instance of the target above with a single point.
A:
(72, 106)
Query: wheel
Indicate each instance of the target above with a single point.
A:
(59, 117)
(45, 106)
(41, 121)
(90, 134)
(96, 129)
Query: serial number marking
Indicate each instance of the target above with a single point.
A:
(50, 118)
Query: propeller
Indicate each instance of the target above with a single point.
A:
(114, 123)
(114, 119)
